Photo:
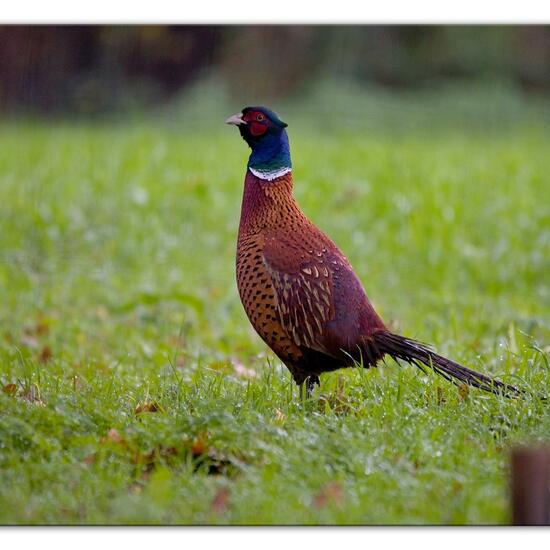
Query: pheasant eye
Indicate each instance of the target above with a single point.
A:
(260, 117)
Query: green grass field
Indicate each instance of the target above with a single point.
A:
(134, 389)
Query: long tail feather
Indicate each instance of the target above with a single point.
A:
(401, 348)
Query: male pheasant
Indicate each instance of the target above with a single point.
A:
(298, 289)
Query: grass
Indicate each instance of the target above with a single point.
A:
(134, 390)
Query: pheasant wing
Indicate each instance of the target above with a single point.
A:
(303, 287)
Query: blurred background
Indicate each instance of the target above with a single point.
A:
(421, 150)
(98, 70)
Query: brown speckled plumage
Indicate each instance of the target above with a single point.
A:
(288, 272)
(298, 289)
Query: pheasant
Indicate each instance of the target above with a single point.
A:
(298, 289)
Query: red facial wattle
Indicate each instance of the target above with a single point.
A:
(257, 128)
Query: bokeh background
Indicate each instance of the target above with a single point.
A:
(108, 69)
(132, 387)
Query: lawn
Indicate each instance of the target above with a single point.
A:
(134, 389)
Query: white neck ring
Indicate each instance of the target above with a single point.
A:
(272, 174)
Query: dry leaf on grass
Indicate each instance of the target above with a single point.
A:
(46, 354)
(40, 328)
(220, 502)
(331, 493)
(10, 389)
(31, 339)
(113, 436)
(199, 445)
(147, 406)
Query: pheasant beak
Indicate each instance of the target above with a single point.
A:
(237, 119)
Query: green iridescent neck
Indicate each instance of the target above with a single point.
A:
(271, 156)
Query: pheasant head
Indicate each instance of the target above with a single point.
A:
(265, 134)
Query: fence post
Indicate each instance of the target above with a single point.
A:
(530, 486)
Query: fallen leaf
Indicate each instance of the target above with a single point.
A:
(198, 447)
(331, 493)
(46, 354)
(147, 406)
(41, 328)
(220, 502)
(114, 436)
(10, 389)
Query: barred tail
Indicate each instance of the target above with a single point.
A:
(398, 347)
